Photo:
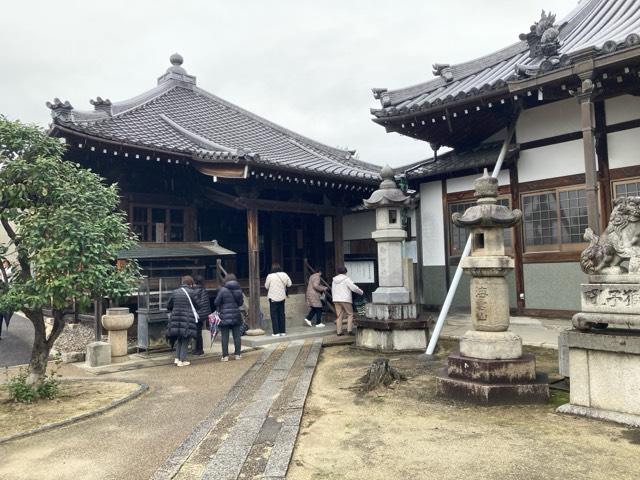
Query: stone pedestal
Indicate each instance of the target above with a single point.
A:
(98, 354)
(605, 375)
(117, 321)
(491, 345)
(392, 328)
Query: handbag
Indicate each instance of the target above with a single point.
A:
(286, 289)
(193, 309)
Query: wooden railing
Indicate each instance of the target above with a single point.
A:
(308, 271)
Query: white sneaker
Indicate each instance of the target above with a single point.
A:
(176, 361)
(238, 357)
(320, 325)
(283, 334)
(183, 364)
(308, 322)
(275, 334)
(224, 359)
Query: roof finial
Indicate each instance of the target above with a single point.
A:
(176, 59)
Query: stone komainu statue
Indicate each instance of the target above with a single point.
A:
(619, 242)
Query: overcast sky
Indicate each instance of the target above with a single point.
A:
(307, 65)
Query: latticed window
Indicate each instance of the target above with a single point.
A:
(627, 188)
(458, 235)
(555, 220)
(157, 224)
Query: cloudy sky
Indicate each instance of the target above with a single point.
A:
(308, 65)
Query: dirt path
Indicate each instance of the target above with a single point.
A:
(133, 440)
(409, 433)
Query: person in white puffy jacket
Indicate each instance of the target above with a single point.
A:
(342, 289)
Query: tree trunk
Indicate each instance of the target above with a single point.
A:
(41, 344)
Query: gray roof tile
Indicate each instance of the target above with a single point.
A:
(181, 117)
(590, 25)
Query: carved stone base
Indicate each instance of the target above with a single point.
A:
(391, 295)
(491, 345)
(519, 370)
(383, 311)
(405, 340)
(585, 321)
(493, 394)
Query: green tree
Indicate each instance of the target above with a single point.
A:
(65, 227)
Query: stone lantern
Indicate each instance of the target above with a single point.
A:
(490, 367)
(391, 322)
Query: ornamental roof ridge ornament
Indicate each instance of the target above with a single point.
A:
(177, 73)
(388, 194)
(60, 109)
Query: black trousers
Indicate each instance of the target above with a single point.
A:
(224, 332)
(199, 347)
(315, 312)
(276, 309)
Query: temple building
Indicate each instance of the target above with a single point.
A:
(570, 90)
(193, 168)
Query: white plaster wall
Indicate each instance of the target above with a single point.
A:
(328, 229)
(624, 148)
(551, 161)
(462, 184)
(548, 121)
(622, 109)
(359, 226)
(499, 136)
(432, 218)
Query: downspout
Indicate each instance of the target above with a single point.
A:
(467, 249)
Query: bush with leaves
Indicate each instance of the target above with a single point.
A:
(66, 229)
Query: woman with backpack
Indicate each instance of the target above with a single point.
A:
(228, 303)
(203, 307)
(342, 289)
(276, 284)
(183, 319)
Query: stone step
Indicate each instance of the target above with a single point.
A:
(296, 333)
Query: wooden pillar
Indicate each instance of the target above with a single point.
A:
(517, 239)
(602, 152)
(338, 241)
(254, 272)
(276, 238)
(587, 122)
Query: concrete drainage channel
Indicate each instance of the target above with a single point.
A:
(252, 431)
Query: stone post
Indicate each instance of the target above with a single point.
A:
(117, 321)
(391, 322)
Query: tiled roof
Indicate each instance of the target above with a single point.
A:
(180, 117)
(175, 250)
(484, 155)
(601, 26)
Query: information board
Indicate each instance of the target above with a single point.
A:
(361, 271)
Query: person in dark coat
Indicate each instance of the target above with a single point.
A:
(183, 324)
(228, 303)
(203, 306)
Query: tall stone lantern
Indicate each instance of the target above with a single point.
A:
(490, 366)
(391, 322)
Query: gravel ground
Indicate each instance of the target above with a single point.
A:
(75, 338)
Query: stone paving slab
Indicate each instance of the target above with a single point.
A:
(257, 439)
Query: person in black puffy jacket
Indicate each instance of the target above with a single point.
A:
(203, 306)
(182, 322)
(228, 303)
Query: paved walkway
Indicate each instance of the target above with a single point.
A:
(535, 332)
(131, 441)
(252, 432)
(17, 341)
